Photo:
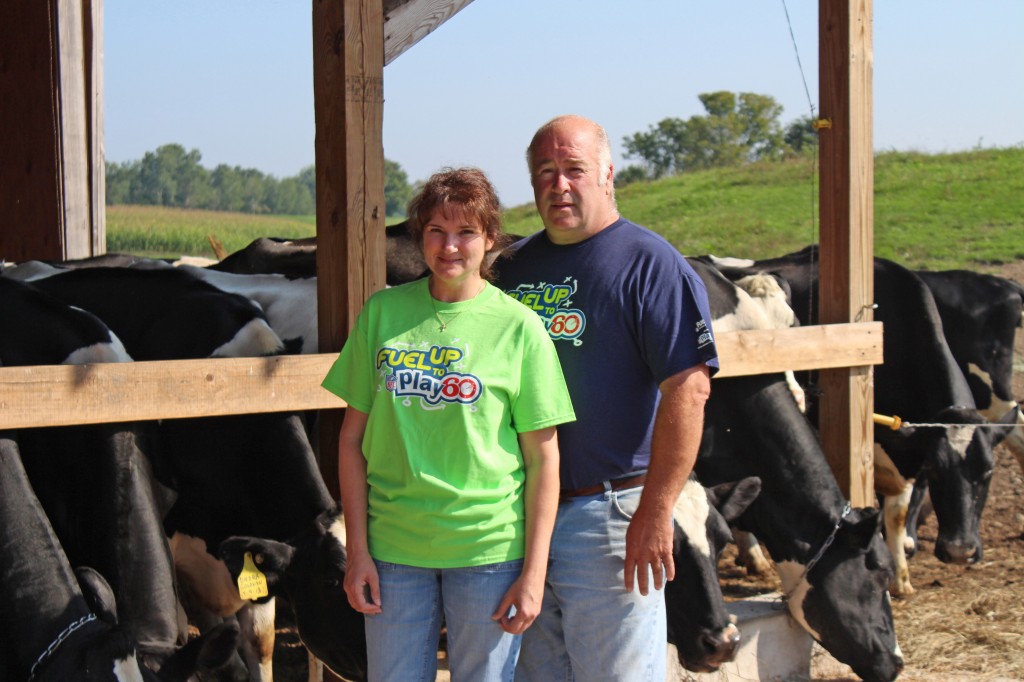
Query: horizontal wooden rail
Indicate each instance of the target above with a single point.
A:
(55, 395)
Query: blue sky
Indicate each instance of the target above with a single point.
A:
(234, 79)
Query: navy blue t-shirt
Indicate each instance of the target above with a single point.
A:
(626, 312)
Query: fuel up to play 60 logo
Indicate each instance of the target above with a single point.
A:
(551, 302)
(426, 374)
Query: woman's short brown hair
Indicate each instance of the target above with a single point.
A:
(465, 192)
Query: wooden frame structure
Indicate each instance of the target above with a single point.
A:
(353, 39)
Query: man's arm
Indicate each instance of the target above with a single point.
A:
(678, 427)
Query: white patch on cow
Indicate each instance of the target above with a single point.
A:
(748, 314)
(1015, 441)
(127, 670)
(253, 340)
(195, 261)
(289, 304)
(256, 625)
(896, 538)
(691, 512)
(896, 642)
(960, 437)
(796, 587)
(337, 529)
(730, 262)
(110, 351)
(765, 289)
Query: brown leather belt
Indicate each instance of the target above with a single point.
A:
(617, 484)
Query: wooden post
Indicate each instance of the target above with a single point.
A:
(48, 187)
(847, 233)
(348, 76)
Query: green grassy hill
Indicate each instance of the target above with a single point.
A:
(931, 210)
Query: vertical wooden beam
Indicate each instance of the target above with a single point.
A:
(348, 77)
(51, 167)
(74, 134)
(31, 199)
(92, 10)
(847, 232)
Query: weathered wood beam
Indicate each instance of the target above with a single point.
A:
(55, 395)
(406, 23)
(348, 102)
(847, 233)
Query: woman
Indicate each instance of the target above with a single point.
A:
(448, 455)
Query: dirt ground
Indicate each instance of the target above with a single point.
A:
(962, 623)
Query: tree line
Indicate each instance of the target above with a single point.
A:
(172, 176)
(736, 129)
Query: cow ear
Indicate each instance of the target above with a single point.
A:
(1010, 421)
(97, 593)
(732, 499)
(271, 558)
(861, 527)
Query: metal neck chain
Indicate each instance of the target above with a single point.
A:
(437, 314)
(444, 325)
(821, 552)
(55, 644)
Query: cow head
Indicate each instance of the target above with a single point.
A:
(310, 570)
(698, 623)
(855, 626)
(957, 464)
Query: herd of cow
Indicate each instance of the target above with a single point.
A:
(120, 544)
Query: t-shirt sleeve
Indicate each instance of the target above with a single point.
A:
(675, 325)
(543, 398)
(351, 376)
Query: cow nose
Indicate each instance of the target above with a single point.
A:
(958, 552)
(722, 645)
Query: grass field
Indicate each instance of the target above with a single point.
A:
(931, 210)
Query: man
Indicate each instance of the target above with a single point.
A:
(630, 320)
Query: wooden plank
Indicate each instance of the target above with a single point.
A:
(799, 348)
(348, 103)
(407, 23)
(847, 232)
(54, 395)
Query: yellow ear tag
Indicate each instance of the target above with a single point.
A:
(251, 583)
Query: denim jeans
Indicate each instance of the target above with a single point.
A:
(591, 628)
(401, 641)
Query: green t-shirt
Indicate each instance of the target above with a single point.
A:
(445, 472)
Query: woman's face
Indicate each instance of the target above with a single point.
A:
(454, 246)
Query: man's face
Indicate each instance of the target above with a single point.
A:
(573, 200)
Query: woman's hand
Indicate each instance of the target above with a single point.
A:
(526, 596)
(362, 584)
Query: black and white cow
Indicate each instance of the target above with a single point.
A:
(921, 383)
(296, 258)
(48, 630)
(310, 569)
(980, 316)
(833, 564)
(699, 626)
(244, 474)
(94, 481)
(165, 313)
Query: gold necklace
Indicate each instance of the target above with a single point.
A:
(444, 325)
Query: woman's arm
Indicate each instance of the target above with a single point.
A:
(540, 455)
(361, 582)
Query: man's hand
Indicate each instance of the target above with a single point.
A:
(649, 551)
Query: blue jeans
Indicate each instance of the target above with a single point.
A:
(590, 627)
(401, 641)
